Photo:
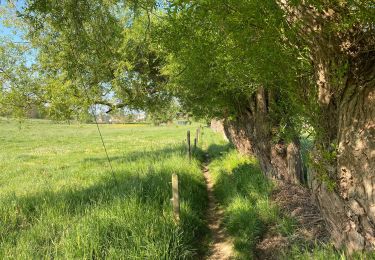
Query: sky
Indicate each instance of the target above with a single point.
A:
(12, 33)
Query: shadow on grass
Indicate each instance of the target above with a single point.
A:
(216, 151)
(150, 155)
(151, 190)
(242, 191)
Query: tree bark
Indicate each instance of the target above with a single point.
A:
(253, 132)
(218, 126)
(349, 208)
(344, 155)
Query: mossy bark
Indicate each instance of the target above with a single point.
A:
(343, 161)
(253, 132)
(349, 208)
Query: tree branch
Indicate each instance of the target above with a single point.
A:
(110, 105)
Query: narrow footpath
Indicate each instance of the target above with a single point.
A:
(221, 247)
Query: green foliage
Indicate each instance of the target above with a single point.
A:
(18, 87)
(165, 113)
(212, 56)
(99, 51)
(220, 53)
(321, 162)
(350, 12)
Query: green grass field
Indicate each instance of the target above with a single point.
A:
(58, 197)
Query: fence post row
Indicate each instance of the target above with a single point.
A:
(175, 198)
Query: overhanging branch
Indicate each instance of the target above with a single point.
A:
(110, 105)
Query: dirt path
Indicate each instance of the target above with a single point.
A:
(221, 247)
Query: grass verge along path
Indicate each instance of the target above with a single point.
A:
(264, 218)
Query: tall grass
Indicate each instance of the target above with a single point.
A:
(58, 198)
(243, 193)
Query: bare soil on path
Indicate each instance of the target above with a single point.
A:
(221, 247)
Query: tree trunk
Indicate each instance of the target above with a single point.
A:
(349, 208)
(237, 136)
(252, 132)
(344, 155)
(218, 126)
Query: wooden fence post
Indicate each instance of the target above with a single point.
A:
(195, 144)
(189, 145)
(175, 198)
(197, 134)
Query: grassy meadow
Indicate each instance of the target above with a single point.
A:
(58, 198)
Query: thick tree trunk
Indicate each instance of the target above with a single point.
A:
(217, 126)
(344, 64)
(252, 132)
(349, 208)
(236, 134)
